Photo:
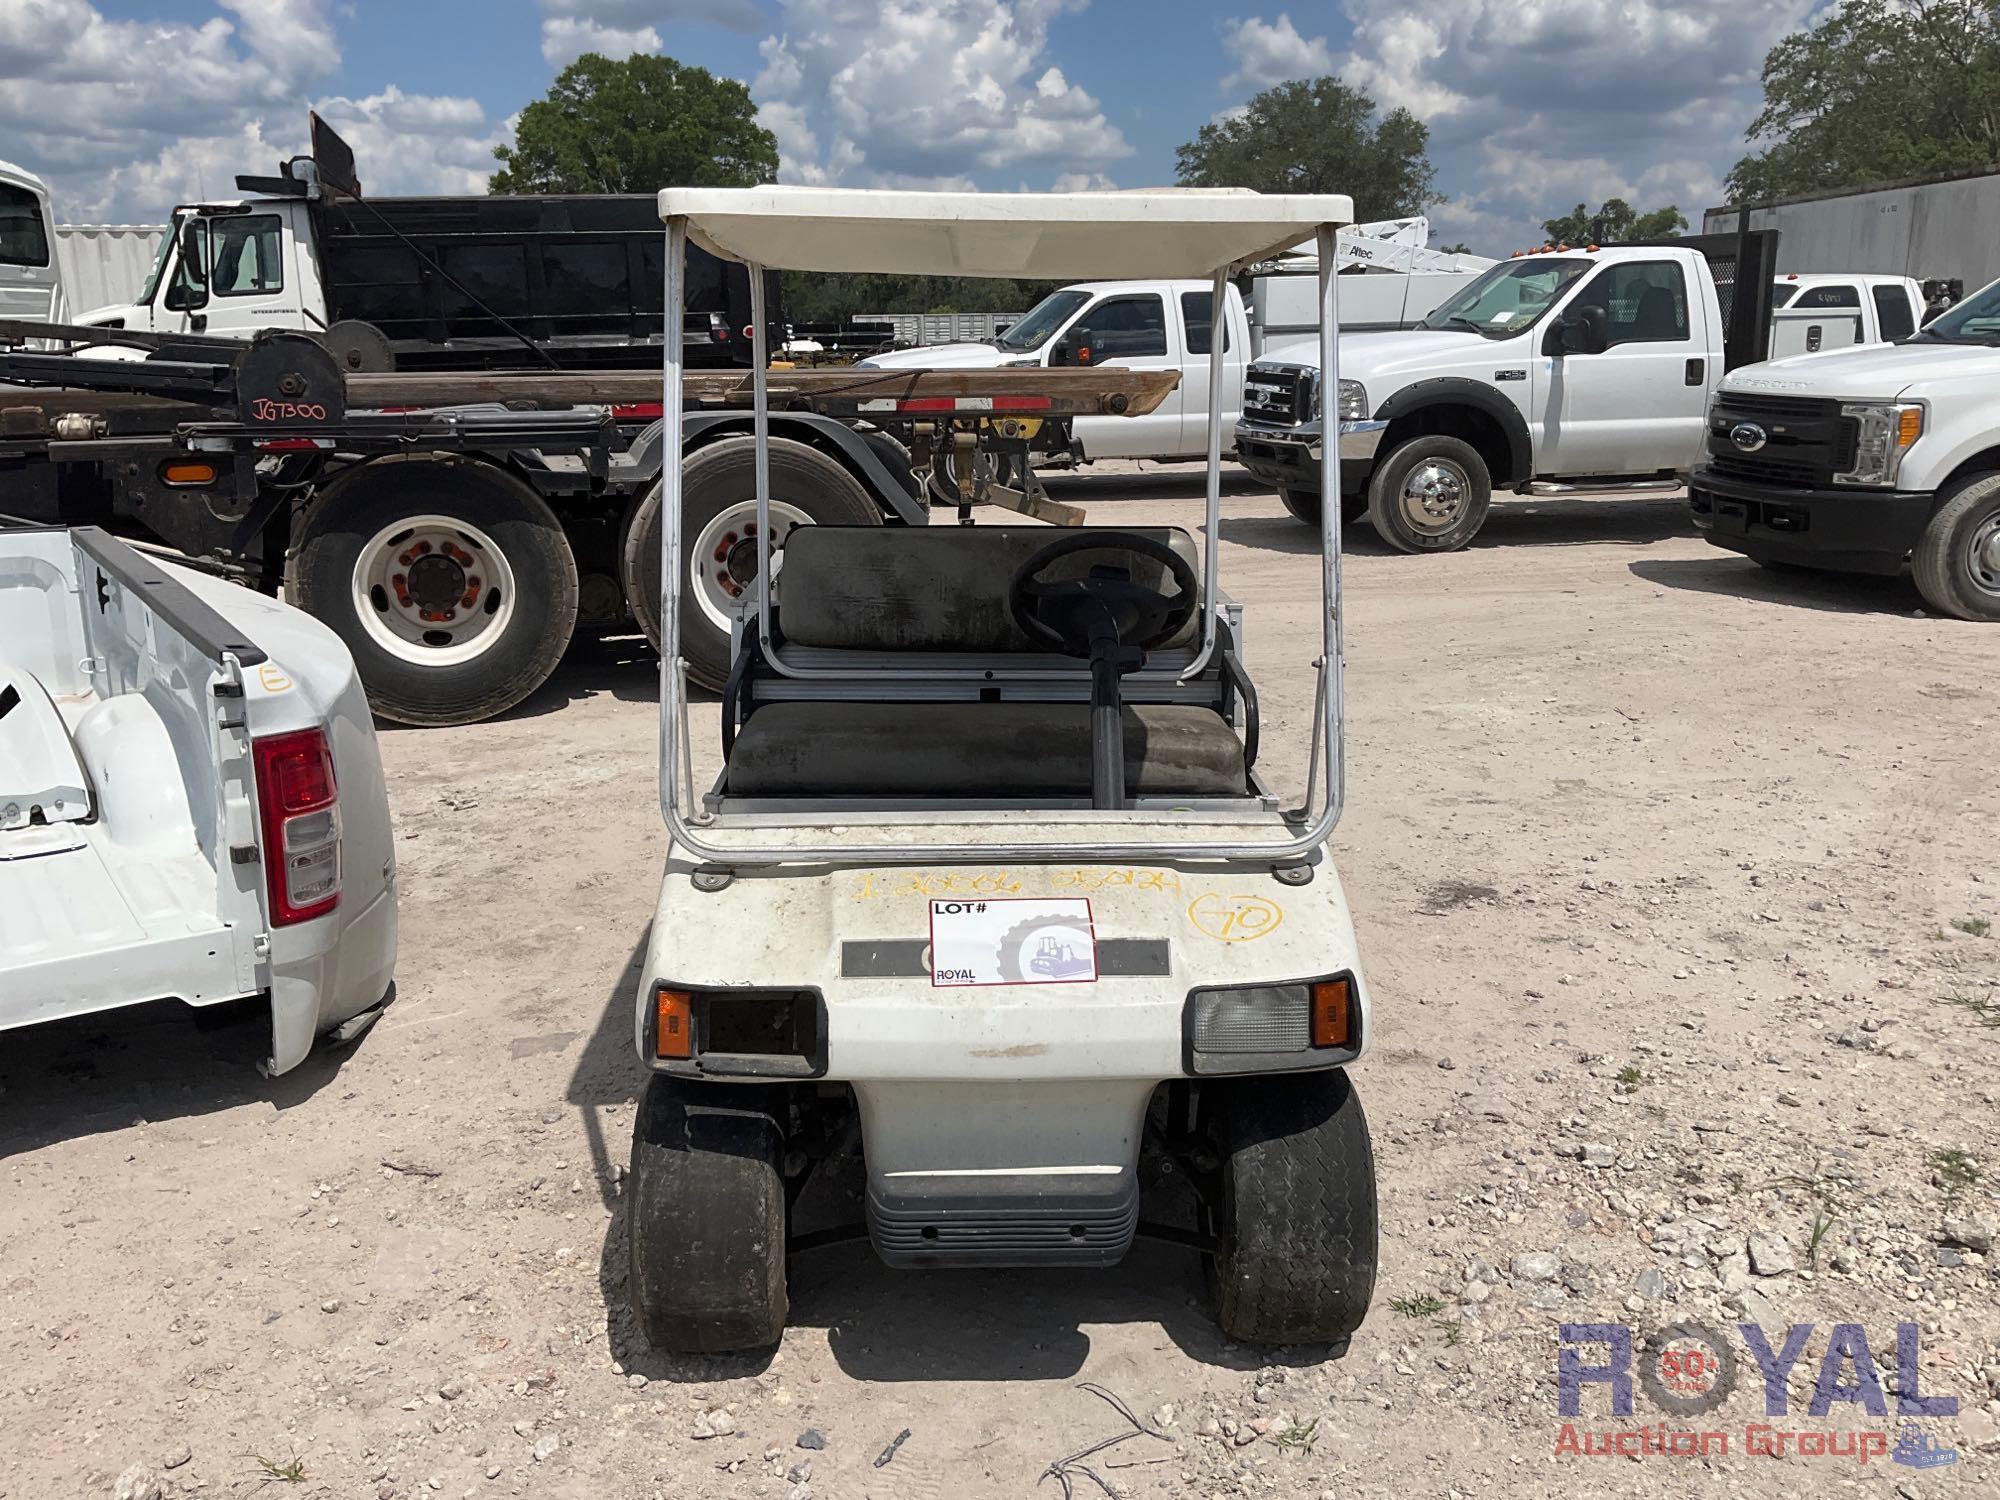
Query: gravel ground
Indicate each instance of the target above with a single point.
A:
(1677, 885)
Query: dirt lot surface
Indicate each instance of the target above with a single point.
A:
(1673, 878)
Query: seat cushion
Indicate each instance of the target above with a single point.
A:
(976, 750)
(933, 588)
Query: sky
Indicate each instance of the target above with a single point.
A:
(129, 106)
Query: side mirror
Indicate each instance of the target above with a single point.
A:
(1076, 348)
(189, 287)
(1583, 330)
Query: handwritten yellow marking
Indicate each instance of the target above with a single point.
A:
(273, 678)
(1234, 919)
(879, 885)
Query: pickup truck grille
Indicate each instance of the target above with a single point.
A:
(1806, 441)
(1276, 398)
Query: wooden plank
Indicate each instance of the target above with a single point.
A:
(833, 392)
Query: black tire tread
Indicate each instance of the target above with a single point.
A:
(1300, 1238)
(1934, 560)
(705, 1218)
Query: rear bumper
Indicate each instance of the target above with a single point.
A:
(1846, 531)
(1288, 457)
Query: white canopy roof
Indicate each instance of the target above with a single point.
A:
(1159, 233)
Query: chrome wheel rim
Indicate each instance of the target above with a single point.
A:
(1983, 556)
(433, 590)
(722, 563)
(1435, 495)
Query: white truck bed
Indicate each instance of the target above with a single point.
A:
(134, 852)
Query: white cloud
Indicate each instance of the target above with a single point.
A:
(1536, 105)
(920, 93)
(1269, 52)
(126, 118)
(566, 38)
(630, 17)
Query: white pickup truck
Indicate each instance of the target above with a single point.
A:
(1813, 311)
(1871, 460)
(191, 798)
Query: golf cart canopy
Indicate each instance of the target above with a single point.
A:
(907, 695)
(1163, 234)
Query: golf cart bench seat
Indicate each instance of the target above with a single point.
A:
(841, 749)
(933, 588)
(880, 596)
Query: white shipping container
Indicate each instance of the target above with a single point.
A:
(105, 264)
(1946, 228)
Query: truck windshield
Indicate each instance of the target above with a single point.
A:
(159, 262)
(1976, 320)
(1507, 298)
(1040, 323)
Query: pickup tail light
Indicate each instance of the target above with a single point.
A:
(298, 807)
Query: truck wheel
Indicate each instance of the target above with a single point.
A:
(1295, 1221)
(1957, 559)
(451, 582)
(1430, 495)
(719, 536)
(1304, 506)
(705, 1218)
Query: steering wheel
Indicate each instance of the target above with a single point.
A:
(1106, 608)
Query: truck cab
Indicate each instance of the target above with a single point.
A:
(30, 276)
(228, 270)
(1141, 325)
(1585, 367)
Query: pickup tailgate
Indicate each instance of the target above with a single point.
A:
(124, 786)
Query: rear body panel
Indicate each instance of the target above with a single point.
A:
(1006, 1116)
(162, 679)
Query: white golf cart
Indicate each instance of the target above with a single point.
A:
(989, 884)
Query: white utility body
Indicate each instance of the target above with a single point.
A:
(1812, 312)
(990, 887)
(191, 798)
(1165, 325)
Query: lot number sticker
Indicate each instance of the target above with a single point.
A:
(1020, 940)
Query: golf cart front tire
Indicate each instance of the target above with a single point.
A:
(1295, 1215)
(705, 1218)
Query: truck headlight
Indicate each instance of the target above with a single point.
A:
(1884, 432)
(1353, 401)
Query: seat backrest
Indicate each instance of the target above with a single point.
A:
(931, 588)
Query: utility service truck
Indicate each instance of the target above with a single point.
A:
(1870, 460)
(1553, 372)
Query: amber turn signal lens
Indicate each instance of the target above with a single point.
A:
(188, 473)
(673, 1028)
(1332, 1014)
(1909, 426)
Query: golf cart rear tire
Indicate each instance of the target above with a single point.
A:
(358, 504)
(1385, 490)
(1942, 560)
(1296, 1220)
(705, 1217)
(722, 474)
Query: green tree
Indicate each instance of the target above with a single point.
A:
(1878, 91)
(1317, 136)
(636, 126)
(1616, 223)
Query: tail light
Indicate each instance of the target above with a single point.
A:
(298, 806)
(718, 328)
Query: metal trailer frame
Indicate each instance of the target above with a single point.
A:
(1326, 760)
